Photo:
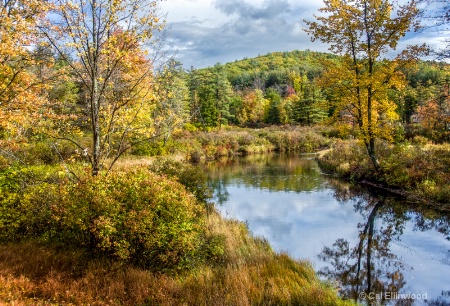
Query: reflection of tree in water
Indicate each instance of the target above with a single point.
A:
(219, 188)
(369, 266)
(270, 172)
(429, 219)
(442, 301)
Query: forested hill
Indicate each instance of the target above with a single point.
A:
(275, 67)
(285, 87)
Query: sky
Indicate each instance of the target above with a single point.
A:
(201, 33)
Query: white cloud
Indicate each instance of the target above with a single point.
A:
(204, 32)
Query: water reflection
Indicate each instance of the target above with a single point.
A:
(270, 172)
(368, 269)
(368, 242)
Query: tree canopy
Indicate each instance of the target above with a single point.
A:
(363, 32)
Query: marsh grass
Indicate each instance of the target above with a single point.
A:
(239, 141)
(247, 273)
(420, 168)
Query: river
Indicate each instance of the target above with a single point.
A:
(377, 248)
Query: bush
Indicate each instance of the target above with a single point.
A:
(348, 159)
(134, 216)
(190, 176)
(20, 215)
(150, 148)
(421, 170)
(304, 140)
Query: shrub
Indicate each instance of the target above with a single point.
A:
(347, 159)
(20, 215)
(136, 217)
(150, 148)
(299, 140)
(422, 170)
(4, 163)
(420, 140)
(48, 153)
(190, 176)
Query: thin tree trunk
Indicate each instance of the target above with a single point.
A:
(95, 96)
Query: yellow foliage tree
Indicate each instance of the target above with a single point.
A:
(363, 32)
(20, 92)
(253, 107)
(110, 40)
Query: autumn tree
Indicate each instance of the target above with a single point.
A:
(253, 107)
(109, 41)
(434, 114)
(20, 91)
(172, 105)
(364, 32)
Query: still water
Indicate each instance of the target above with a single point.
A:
(377, 248)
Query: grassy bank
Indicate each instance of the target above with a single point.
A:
(245, 272)
(418, 169)
(194, 145)
(197, 145)
(143, 235)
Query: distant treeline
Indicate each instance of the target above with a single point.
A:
(285, 88)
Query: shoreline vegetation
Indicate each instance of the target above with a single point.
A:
(248, 273)
(89, 102)
(51, 258)
(417, 170)
(146, 234)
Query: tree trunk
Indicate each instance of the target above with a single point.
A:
(95, 96)
(370, 146)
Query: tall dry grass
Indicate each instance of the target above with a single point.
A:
(248, 273)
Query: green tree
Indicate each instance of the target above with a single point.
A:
(203, 97)
(273, 107)
(223, 95)
(212, 95)
(363, 32)
(172, 109)
(311, 107)
(409, 107)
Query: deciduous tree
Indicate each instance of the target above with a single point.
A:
(253, 107)
(172, 95)
(364, 32)
(109, 41)
(438, 18)
(20, 92)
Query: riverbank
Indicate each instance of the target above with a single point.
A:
(94, 241)
(418, 171)
(245, 272)
(200, 145)
(226, 254)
